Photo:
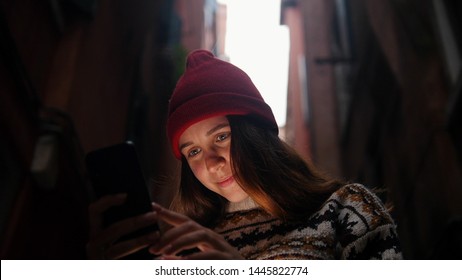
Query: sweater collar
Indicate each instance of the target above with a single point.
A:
(246, 204)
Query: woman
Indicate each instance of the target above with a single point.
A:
(245, 194)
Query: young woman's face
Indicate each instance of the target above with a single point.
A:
(206, 147)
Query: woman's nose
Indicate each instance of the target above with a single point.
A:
(214, 161)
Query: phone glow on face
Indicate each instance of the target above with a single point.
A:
(206, 146)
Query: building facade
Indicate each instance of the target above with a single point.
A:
(384, 99)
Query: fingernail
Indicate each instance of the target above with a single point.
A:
(157, 206)
(167, 249)
(153, 250)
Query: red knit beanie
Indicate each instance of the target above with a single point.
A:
(211, 87)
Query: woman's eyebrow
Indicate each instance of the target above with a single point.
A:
(217, 127)
(210, 132)
(182, 146)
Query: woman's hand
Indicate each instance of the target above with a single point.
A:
(186, 234)
(102, 240)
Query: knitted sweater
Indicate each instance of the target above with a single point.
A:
(352, 224)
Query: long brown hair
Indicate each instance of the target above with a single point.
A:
(268, 170)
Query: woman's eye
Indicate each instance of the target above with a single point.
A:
(223, 136)
(193, 152)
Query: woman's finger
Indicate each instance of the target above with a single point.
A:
(124, 227)
(97, 208)
(212, 255)
(174, 233)
(125, 248)
(169, 257)
(103, 245)
(202, 239)
(187, 236)
(170, 217)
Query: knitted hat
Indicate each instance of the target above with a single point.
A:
(211, 87)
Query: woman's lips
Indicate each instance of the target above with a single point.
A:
(226, 182)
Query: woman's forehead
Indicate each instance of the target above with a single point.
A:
(204, 127)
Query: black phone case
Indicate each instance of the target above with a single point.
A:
(114, 170)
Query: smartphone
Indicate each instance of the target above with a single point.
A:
(116, 169)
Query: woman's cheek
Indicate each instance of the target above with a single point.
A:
(197, 169)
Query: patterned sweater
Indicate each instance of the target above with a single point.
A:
(352, 224)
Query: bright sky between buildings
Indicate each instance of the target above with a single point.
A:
(259, 45)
